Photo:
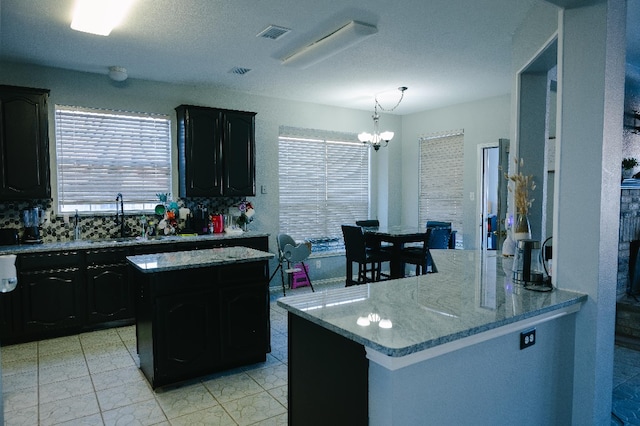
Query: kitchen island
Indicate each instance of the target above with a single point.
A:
(200, 311)
(442, 348)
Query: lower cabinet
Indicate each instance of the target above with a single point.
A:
(194, 322)
(64, 292)
(52, 300)
(109, 289)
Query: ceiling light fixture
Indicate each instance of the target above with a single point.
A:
(118, 73)
(346, 36)
(376, 139)
(99, 16)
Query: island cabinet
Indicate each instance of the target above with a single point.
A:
(195, 321)
(24, 143)
(216, 152)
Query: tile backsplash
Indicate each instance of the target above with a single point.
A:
(94, 227)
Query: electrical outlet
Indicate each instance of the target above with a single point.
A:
(318, 264)
(527, 338)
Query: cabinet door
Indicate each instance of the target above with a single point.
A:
(52, 300)
(24, 143)
(238, 150)
(200, 151)
(109, 294)
(244, 311)
(9, 308)
(185, 338)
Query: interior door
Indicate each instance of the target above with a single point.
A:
(503, 166)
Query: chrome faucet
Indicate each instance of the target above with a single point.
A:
(120, 214)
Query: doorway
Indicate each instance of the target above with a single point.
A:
(489, 197)
(493, 161)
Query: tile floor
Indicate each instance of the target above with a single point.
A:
(626, 387)
(93, 379)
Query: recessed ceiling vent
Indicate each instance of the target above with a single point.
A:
(239, 70)
(273, 32)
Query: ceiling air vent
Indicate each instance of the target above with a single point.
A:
(273, 32)
(239, 70)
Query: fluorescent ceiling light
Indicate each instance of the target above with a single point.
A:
(99, 16)
(350, 34)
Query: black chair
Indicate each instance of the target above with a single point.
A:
(372, 242)
(436, 224)
(368, 223)
(369, 261)
(434, 238)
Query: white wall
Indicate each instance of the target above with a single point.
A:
(484, 121)
(591, 50)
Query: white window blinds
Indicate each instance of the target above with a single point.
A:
(101, 153)
(441, 179)
(324, 183)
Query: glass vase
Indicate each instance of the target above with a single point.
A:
(521, 228)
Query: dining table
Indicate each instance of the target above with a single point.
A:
(397, 236)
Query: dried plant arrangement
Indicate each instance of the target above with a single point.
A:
(521, 186)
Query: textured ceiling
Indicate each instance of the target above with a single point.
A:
(445, 51)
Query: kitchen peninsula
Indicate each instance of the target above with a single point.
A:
(425, 350)
(200, 311)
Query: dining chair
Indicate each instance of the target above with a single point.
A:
(372, 242)
(291, 254)
(368, 223)
(420, 256)
(369, 260)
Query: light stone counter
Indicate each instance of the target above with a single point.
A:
(151, 263)
(122, 242)
(470, 295)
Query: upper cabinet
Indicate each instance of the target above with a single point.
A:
(216, 152)
(24, 143)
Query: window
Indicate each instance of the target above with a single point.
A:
(324, 183)
(101, 153)
(441, 179)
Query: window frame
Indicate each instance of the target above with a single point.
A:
(131, 150)
(325, 178)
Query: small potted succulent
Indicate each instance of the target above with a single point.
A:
(627, 167)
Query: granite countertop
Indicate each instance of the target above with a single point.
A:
(151, 263)
(121, 242)
(469, 295)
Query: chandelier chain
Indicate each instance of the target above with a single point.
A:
(401, 89)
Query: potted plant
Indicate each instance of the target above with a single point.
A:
(627, 167)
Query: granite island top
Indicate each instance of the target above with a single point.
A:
(470, 294)
(151, 263)
(121, 242)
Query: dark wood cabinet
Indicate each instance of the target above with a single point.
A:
(109, 293)
(52, 292)
(10, 325)
(216, 152)
(242, 320)
(24, 143)
(63, 292)
(216, 318)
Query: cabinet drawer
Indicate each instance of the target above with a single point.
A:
(242, 273)
(106, 256)
(54, 260)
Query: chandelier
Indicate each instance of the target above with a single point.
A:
(376, 139)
